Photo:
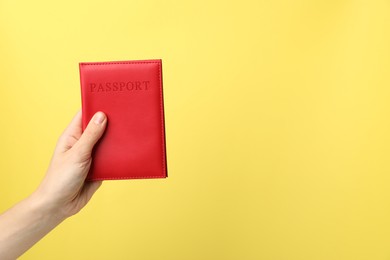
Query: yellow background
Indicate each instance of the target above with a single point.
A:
(277, 123)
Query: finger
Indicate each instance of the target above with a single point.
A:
(71, 134)
(91, 135)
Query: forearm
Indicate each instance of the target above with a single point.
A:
(25, 224)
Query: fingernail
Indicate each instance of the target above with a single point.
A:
(99, 118)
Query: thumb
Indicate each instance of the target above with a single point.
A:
(91, 134)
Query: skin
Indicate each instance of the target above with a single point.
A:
(62, 193)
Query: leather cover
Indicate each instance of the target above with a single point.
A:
(130, 94)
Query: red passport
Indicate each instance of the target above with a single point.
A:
(130, 93)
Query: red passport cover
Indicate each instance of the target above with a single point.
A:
(130, 93)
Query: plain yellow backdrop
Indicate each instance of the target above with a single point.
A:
(277, 126)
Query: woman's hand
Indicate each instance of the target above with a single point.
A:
(64, 189)
(62, 193)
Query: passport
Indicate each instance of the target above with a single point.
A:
(130, 93)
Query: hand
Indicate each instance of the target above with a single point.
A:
(63, 189)
(62, 193)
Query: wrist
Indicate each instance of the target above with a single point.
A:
(45, 209)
